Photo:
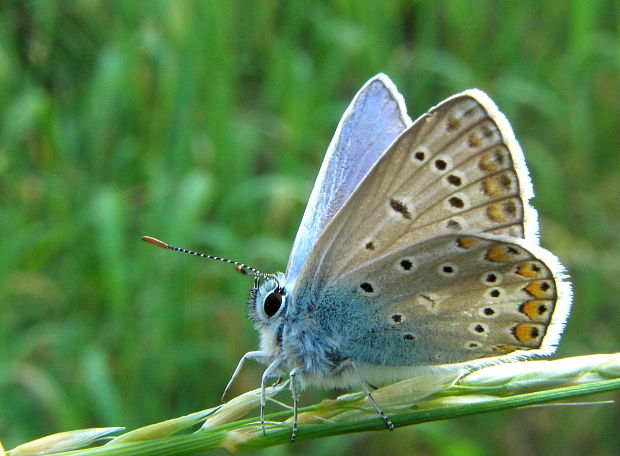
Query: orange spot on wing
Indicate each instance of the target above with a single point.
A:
(474, 140)
(466, 242)
(491, 187)
(496, 213)
(504, 211)
(498, 254)
(528, 333)
(498, 185)
(492, 161)
(541, 289)
(530, 269)
(536, 309)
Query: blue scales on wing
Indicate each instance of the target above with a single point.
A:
(374, 119)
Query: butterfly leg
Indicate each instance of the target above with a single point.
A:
(269, 372)
(257, 355)
(293, 386)
(371, 399)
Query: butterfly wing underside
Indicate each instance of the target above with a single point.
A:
(456, 173)
(374, 119)
(454, 299)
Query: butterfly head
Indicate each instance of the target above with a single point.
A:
(267, 309)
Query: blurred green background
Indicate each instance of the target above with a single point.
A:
(204, 123)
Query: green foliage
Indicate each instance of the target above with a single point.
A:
(204, 123)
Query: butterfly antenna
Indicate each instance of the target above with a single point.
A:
(239, 267)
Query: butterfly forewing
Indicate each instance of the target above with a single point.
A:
(452, 299)
(458, 168)
(375, 118)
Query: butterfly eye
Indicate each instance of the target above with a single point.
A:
(273, 302)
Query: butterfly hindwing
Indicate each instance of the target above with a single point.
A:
(374, 119)
(451, 299)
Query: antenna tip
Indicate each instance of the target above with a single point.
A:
(157, 242)
(240, 268)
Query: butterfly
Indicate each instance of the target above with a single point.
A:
(418, 250)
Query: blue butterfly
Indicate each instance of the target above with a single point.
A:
(418, 250)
